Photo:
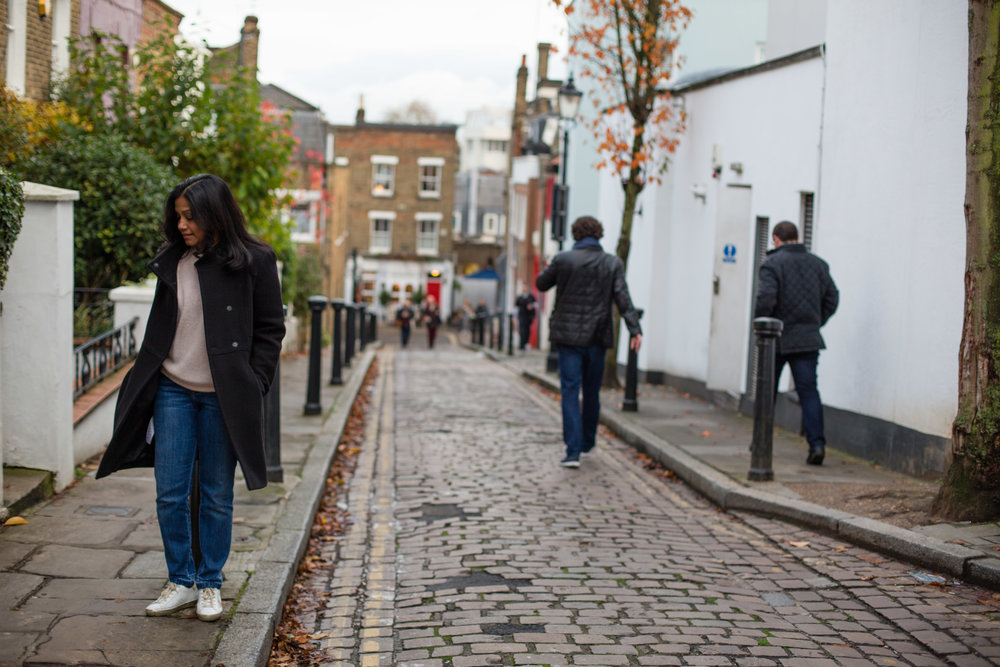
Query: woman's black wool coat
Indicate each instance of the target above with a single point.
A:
(244, 325)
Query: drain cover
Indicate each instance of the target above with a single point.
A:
(98, 510)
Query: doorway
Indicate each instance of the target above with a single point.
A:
(732, 264)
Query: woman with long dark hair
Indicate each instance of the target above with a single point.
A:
(195, 393)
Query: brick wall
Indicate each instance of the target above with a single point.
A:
(407, 143)
(38, 56)
(157, 18)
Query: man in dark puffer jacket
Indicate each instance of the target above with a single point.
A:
(587, 280)
(795, 287)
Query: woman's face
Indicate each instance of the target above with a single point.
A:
(193, 235)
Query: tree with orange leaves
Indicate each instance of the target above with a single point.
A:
(629, 47)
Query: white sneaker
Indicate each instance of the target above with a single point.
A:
(172, 598)
(209, 604)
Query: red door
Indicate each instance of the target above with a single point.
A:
(434, 289)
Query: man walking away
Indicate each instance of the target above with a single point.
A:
(525, 315)
(587, 280)
(795, 287)
(404, 316)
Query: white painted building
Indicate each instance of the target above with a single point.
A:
(860, 139)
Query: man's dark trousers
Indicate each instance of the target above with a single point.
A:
(524, 324)
(803, 365)
(580, 367)
(404, 335)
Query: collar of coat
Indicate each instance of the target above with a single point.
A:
(587, 242)
(164, 264)
(790, 247)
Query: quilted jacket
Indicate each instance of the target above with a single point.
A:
(795, 287)
(587, 280)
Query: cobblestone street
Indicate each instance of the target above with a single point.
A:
(470, 545)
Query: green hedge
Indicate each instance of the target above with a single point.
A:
(11, 212)
(117, 220)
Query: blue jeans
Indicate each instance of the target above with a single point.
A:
(580, 367)
(803, 365)
(189, 427)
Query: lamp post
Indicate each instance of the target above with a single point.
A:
(569, 103)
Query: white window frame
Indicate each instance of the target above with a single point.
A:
(380, 241)
(61, 28)
(312, 199)
(491, 224)
(427, 230)
(429, 185)
(17, 44)
(456, 221)
(384, 175)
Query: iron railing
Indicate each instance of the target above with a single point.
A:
(100, 357)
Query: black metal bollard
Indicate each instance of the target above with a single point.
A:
(510, 334)
(362, 327)
(767, 329)
(373, 328)
(499, 347)
(350, 329)
(272, 426)
(631, 401)
(336, 371)
(489, 324)
(316, 304)
(477, 330)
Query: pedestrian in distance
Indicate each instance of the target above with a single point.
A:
(587, 281)
(482, 315)
(404, 317)
(795, 287)
(196, 391)
(525, 303)
(432, 319)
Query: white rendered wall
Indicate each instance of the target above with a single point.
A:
(794, 25)
(134, 301)
(769, 122)
(722, 33)
(891, 220)
(36, 337)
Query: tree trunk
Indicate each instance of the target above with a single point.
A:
(632, 189)
(971, 489)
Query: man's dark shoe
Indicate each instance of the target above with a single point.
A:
(816, 456)
(570, 463)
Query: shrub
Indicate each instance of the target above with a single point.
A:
(122, 191)
(11, 212)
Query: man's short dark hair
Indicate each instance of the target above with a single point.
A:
(786, 232)
(587, 226)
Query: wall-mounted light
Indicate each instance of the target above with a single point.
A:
(737, 167)
(699, 192)
(43, 8)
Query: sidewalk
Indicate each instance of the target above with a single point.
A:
(75, 580)
(708, 448)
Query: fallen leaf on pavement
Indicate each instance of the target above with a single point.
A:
(15, 521)
(799, 545)
(706, 433)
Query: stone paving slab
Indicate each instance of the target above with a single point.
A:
(75, 580)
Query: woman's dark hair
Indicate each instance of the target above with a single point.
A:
(215, 211)
(587, 226)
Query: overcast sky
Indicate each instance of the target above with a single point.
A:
(455, 55)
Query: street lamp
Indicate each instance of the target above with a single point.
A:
(569, 103)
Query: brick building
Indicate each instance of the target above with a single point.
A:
(34, 49)
(392, 188)
(309, 208)
(34, 44)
